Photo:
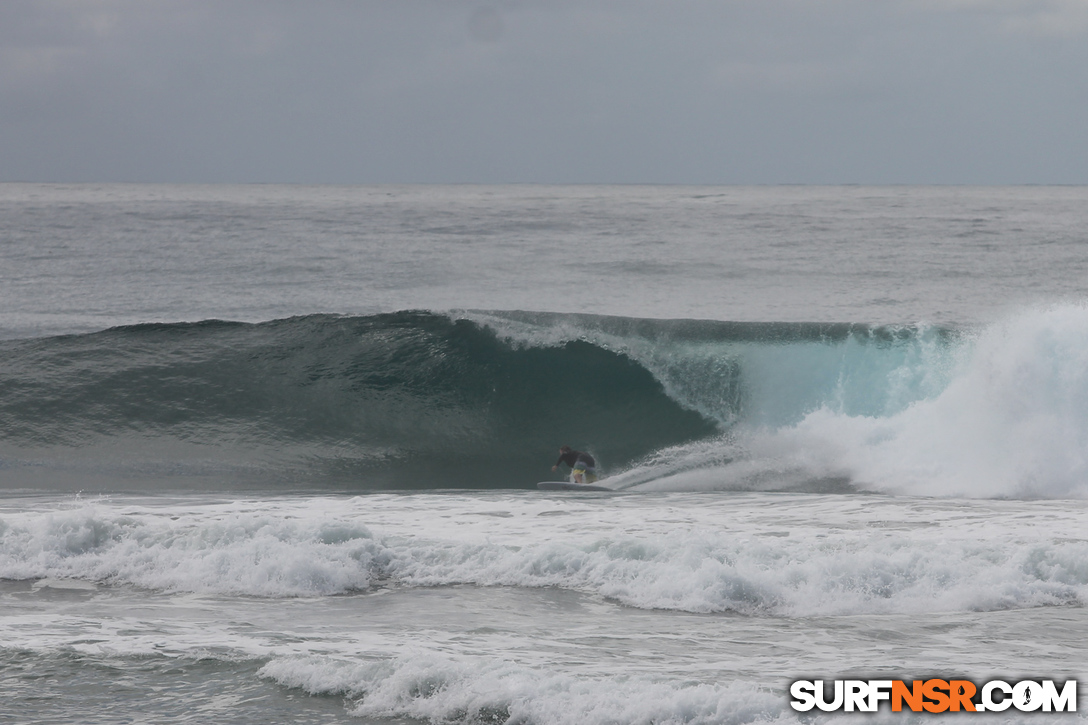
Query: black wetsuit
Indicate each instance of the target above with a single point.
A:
(574, 456)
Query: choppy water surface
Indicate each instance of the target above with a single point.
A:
(506, 606)
(269, 453)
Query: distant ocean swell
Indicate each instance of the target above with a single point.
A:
(482, 399)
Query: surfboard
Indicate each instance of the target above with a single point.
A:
(567, 486)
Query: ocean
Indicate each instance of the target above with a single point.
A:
(269, 453)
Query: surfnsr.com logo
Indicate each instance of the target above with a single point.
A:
(935, 696)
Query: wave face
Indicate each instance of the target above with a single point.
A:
(403, 400)
(483, 399)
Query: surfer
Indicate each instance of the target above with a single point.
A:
(582, 466)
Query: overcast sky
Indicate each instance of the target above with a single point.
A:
(625, 91)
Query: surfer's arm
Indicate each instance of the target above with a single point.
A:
(569, 458)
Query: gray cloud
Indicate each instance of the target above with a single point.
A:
(486, 24)
(689, 91)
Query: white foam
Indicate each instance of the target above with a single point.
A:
(1013, 422)
(439, 688)
(65, 584)
(218, 549)
(761, 556)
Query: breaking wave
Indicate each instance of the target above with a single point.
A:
(419, 400)
(825, 564)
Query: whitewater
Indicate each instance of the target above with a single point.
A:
(269, 453)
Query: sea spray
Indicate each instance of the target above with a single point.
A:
(1012, 421)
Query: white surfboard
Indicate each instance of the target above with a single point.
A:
(567, 486)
